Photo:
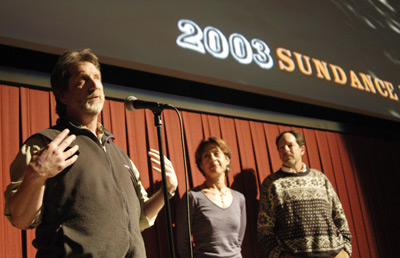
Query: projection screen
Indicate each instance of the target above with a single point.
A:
(337, 54)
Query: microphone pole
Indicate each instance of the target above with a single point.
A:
(158, 124)
(132, 103)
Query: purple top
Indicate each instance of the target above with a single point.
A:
(217, 232)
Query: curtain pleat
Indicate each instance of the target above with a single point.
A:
(311, 157)
(53, 114)
(353, 210)
(370, 190)
(137, 143)
(35, 116)
(118, 124)
(261, 152)
(172, 150)
(136, 138)
(152, 128)
(326, 159)
(10, 237)
(362, 190)
(174, 143)
(342, 184)
(228, 134)
(194, 133)
(214, 126)
(363, 170)
(246, 182)
(271, 131)
(386, 198)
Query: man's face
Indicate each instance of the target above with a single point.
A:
(85, 95)
(290, 152)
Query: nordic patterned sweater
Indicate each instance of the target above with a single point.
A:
(301, 214)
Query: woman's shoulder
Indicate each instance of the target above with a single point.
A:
(237, 194)
(195, 192)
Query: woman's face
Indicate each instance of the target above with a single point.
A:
(213, 161)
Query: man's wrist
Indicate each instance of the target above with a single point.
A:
(33, 173)
(169, 194)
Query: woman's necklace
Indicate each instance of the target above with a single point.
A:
(218, 197)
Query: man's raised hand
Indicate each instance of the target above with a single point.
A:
(55, 157)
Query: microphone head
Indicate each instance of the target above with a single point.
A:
(129, 103)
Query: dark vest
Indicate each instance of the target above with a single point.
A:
(91, 209)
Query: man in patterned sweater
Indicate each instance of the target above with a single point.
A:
(300, 213)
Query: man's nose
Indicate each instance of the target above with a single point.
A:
(94, 84)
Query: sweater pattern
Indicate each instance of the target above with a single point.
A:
(301, 214)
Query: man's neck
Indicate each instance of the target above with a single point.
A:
(92, 127)
(301, 167)
(88, 122)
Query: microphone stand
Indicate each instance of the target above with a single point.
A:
(158, 124)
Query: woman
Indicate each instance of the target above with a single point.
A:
(217, 213)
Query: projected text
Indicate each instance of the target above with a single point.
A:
(215, 43)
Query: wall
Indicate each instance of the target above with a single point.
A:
(362, 169)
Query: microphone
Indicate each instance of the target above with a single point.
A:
(131, 103)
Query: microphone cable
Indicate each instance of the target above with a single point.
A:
(186, 184)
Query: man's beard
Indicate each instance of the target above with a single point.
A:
(93, 107)
(290, 161)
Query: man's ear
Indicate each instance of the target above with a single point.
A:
(303, 150)
(63, 98)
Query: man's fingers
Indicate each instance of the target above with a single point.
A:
(167, 163)
(155, 157)
(156, 169)
(70, 161)
(67, 142)
(170, 174)
(62, 141)
(71, 151)
(154, 151)
(60, 137)
(55, 156)
(155, 161)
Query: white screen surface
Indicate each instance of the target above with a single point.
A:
(343, 55)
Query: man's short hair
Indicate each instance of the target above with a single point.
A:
(61, 73)
(299, 137)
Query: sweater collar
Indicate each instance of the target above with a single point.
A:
(291, 170)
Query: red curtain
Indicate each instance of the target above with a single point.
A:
(363, 170)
